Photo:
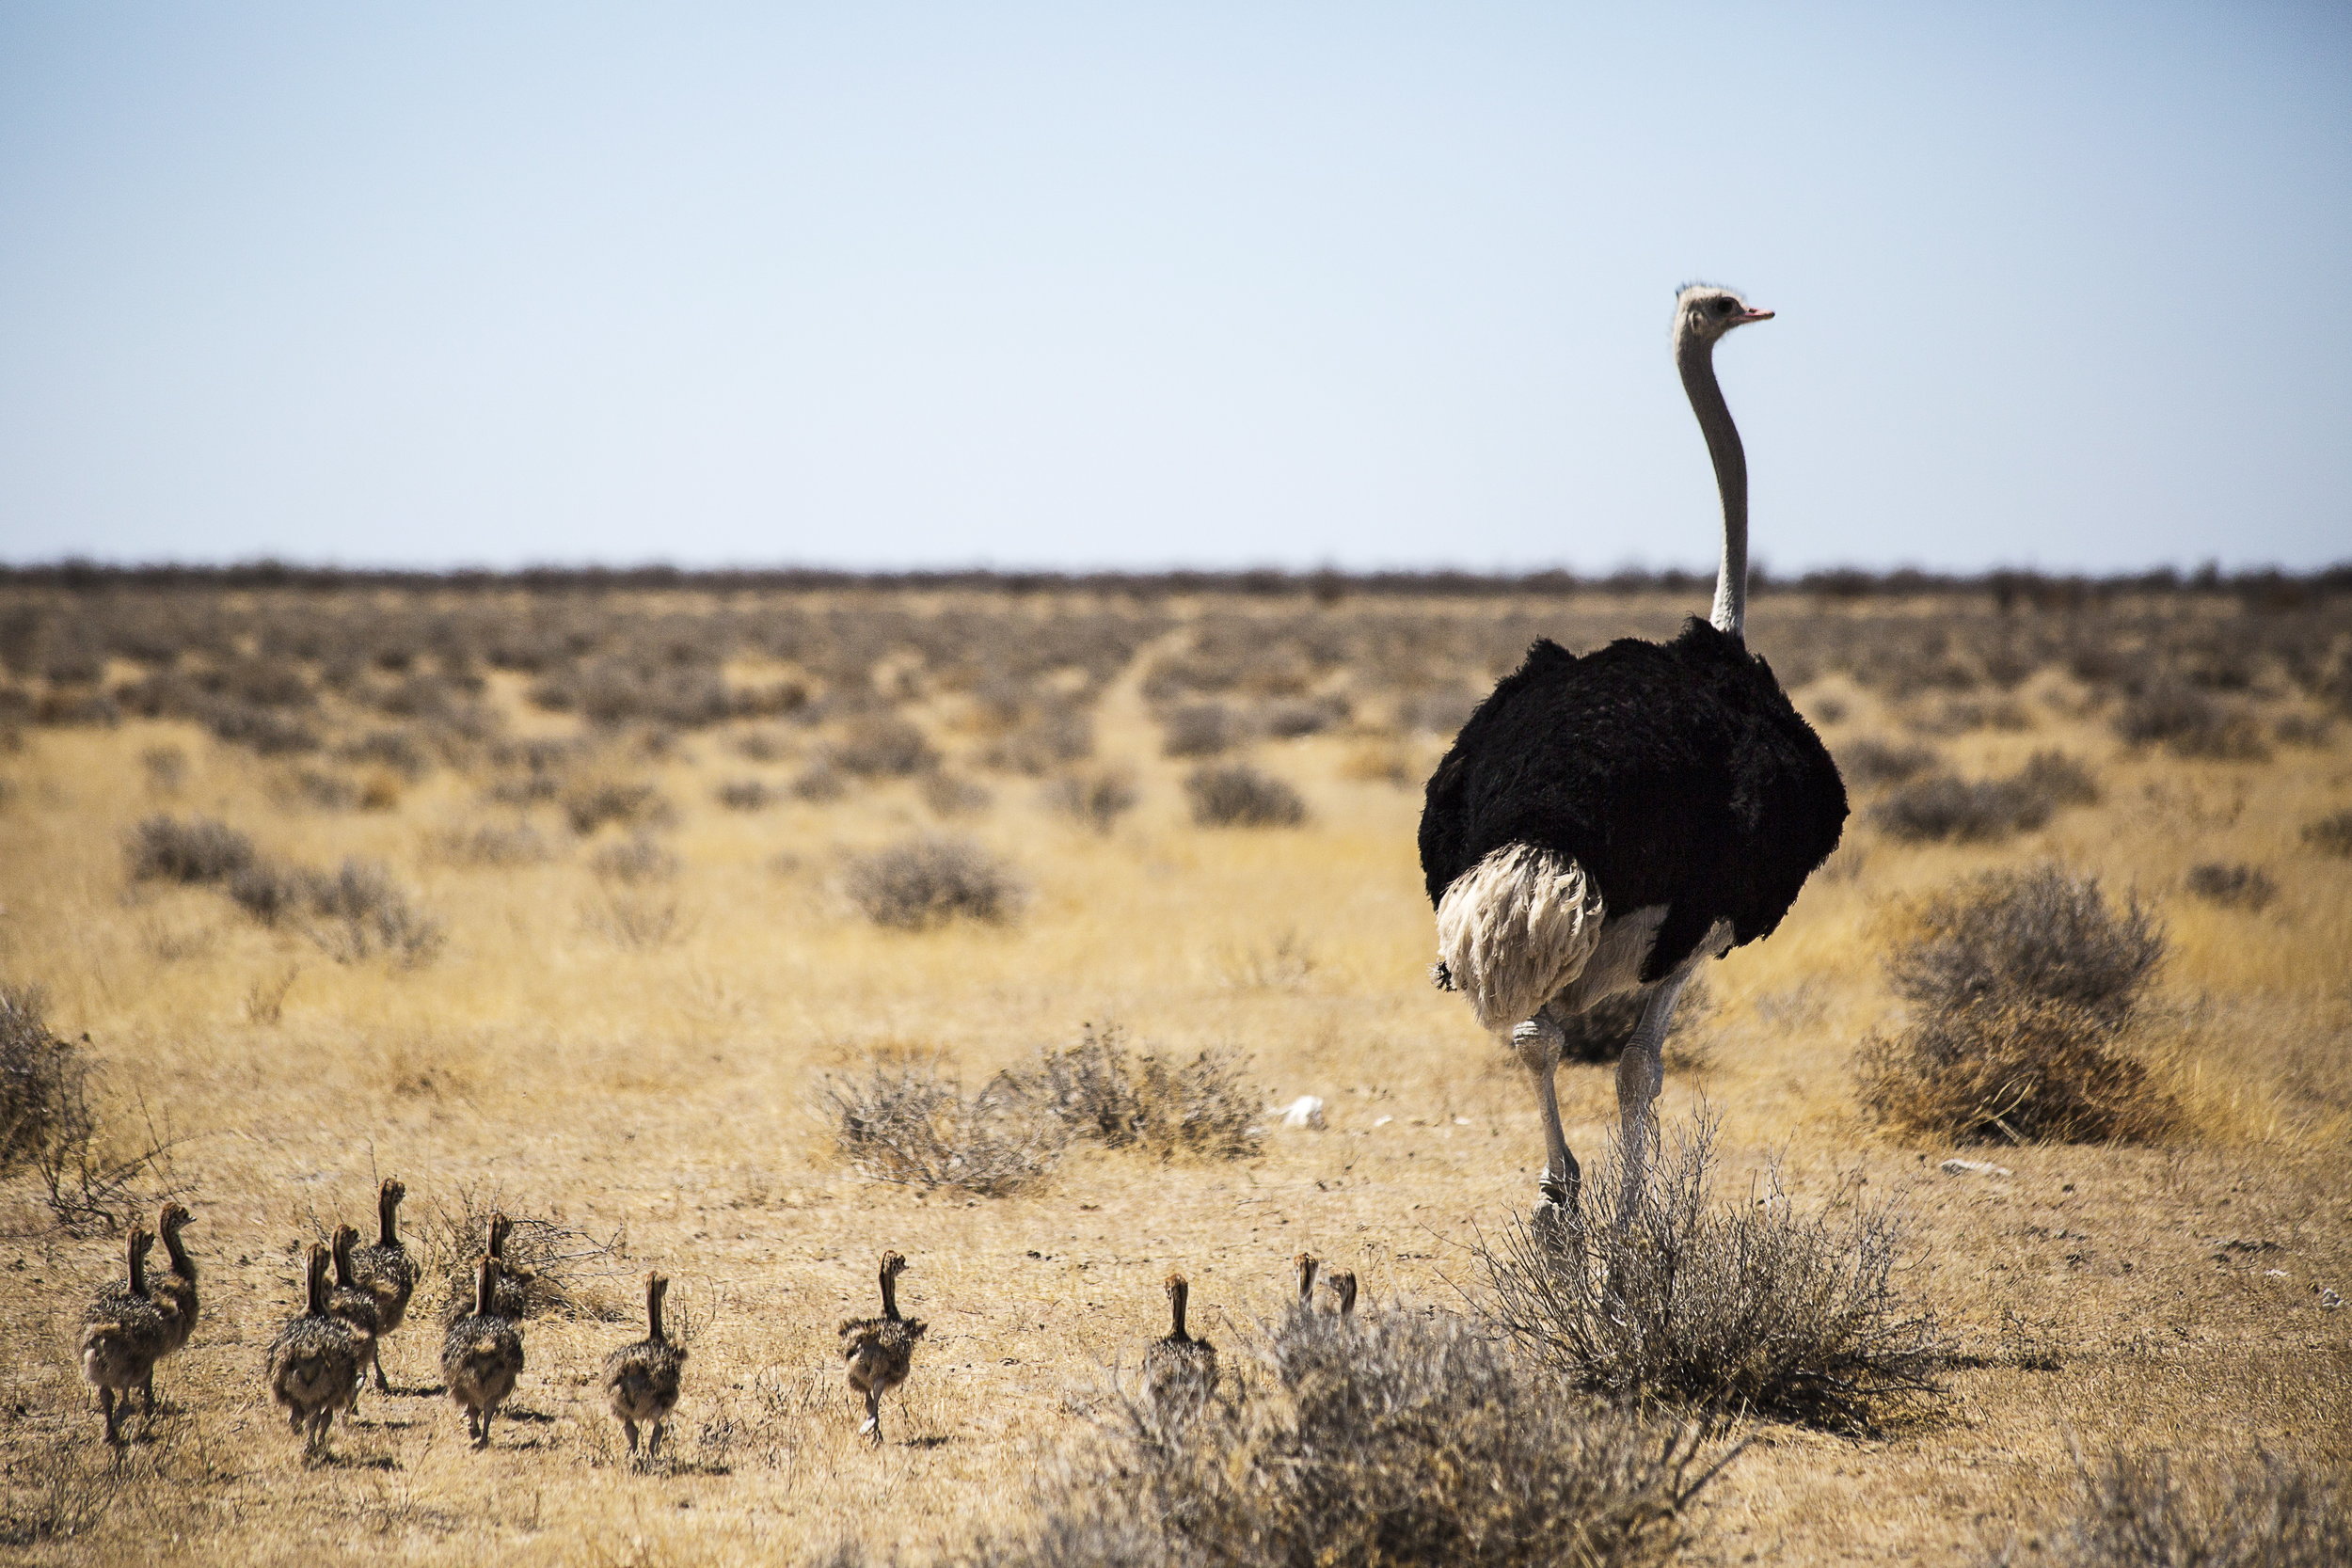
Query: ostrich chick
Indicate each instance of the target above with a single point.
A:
(1307, 1266)
(174, 1288)
(1179, 1370)
(347, 1300)
(482, 1355)
(515, 1281)
(387, 1271)
(315, 1362)
(642, 1378)
(881, 1349)
(123, 1334)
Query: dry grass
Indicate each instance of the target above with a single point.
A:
(2101, 1294)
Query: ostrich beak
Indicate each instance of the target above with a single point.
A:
(1747, 316)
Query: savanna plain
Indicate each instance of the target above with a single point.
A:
(743, 930)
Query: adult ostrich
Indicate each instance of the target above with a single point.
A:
(1604, 824)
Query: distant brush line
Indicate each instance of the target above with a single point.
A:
(1265, 582)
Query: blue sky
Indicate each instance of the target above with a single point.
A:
(1374, 285)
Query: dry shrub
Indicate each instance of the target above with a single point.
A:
(2189, 723)
(1943, 807)
(2022, 986)
(2331, 835)
(1242, 797)
(820, 785)
(1200, 730)
(1100, 1091)
(1046, 740)
(1426, 1439)
(1291, 719)
(1967, 810)
(1871, 763)
(49, 1123)
(199, 851)
(903, 1118)
(60, 1488)
(928, 881)
(2145, 1512)
(44, 1085)
(2062, 779)
(595, 803)
(2300, 729)
(561, 1268)
(633, 862)
(2232, 886)
(356, 912)
(1746, 1307)
(763, 746)
(745, 794)
(2041, 934)
(261, 731)
(882, 746)
(2018, 1071)
(353, 914)
(1097, 800)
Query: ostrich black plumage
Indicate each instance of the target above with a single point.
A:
(1605, 823)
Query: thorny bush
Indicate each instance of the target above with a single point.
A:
(1724, 1307)
(904, 1119)
(561, 1268)
(1425, 1439)
(49, 1123)
(2148, 1511)
(928, 881)
(1242, 797)
(1101, 1091)
(2022, 986)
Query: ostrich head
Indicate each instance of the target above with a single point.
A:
(1704, 312)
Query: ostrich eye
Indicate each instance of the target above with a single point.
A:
(1722, 307)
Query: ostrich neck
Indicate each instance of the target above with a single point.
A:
(1177, 1298)
(890, 1297)
(1696, 358)
(387, 1221)
(182, 1265)
(138, 1270)
(652, 1314)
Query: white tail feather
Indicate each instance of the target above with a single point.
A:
(1515, 930)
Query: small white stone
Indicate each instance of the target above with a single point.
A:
(1974, 1167)
(1382, 1121)
(1305, 1111)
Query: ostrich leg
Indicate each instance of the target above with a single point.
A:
(1538, 1042)
(1640, 1076)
